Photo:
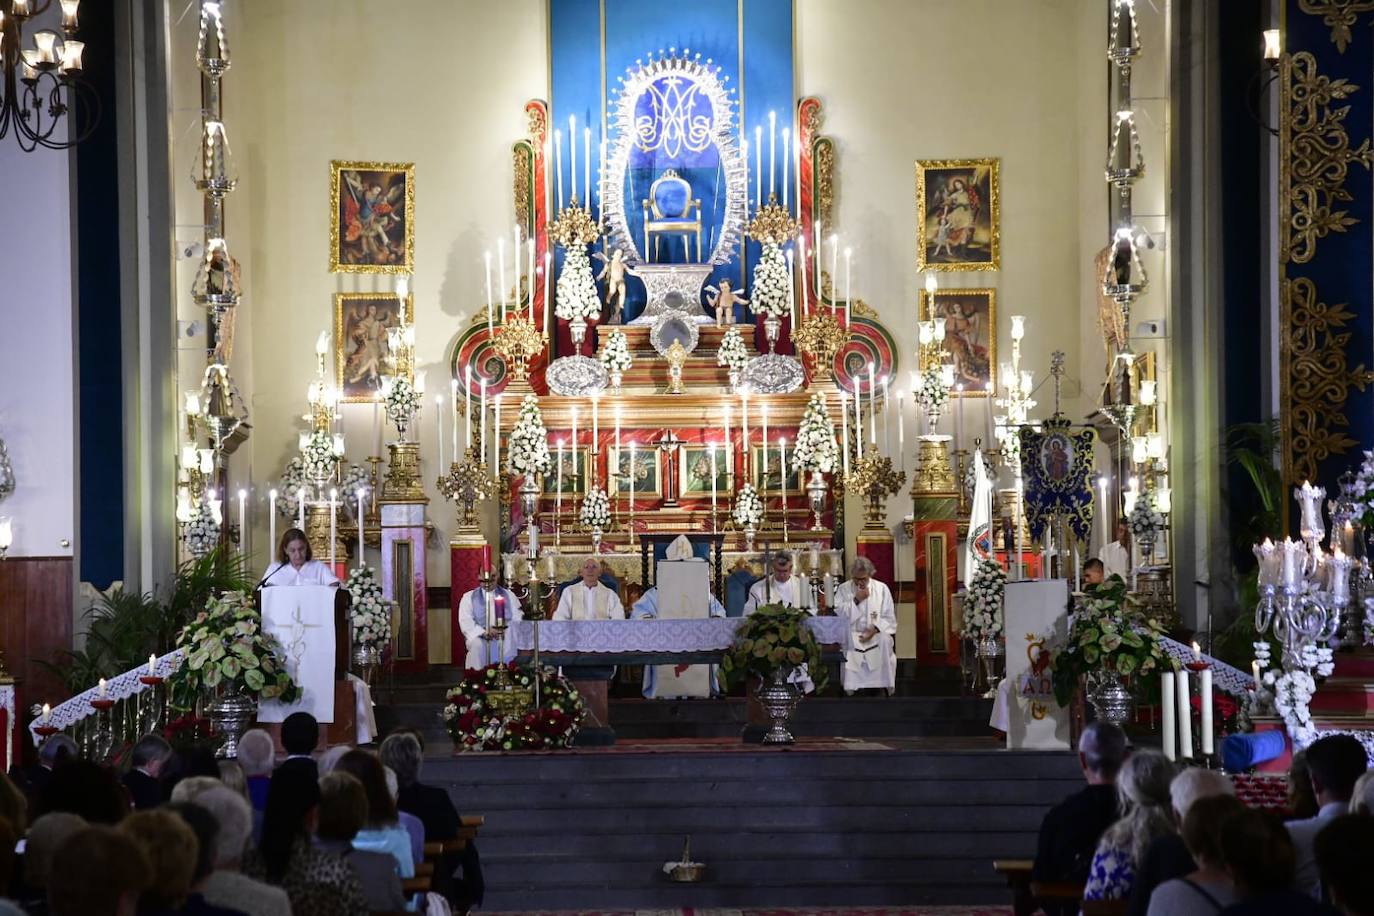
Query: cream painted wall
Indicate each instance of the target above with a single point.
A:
(437, 84)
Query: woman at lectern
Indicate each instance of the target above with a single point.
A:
(296, 565)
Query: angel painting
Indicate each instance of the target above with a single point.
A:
(361, 323)
(970, 334)
(958, 207)
(372, 217)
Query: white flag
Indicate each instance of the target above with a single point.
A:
(978, 547)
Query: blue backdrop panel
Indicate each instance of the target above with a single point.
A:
(584, 59)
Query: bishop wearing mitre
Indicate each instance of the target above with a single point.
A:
(781, 587)
(588, 599)
(477, 611)
(871, 662)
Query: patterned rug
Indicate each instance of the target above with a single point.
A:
(874, 911)
(711, 746)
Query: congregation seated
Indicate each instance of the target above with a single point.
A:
(45, 836)
(9, 840)
(1071, 829)
(1168, 857)
(415, 828)
(1208, 887)
(343, 813)
(257, 756)
(1260, 857)
(318, 883)
(300, 734)
(147, 759)
(1345, 848)
(226, 885)
(1142, 787)
(88, 790)
(1335, 763)
(178, 858)
(114, 873)
(33, 779)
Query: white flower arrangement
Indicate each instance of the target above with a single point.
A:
(816, 448)
(596, 510)
(615, 356)
(318, 458)
(293, 480)
(400, 399)
(933, 394)
(1145, 520)
(371, 613)
(770, 283)
(200, 533)
(732, 354)
(1292, 688)
(576, 292)
(529, 441)
(748, 507)
(1363, 492)
(983, 601)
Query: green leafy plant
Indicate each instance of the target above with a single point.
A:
(1109, 636)
(774, 636)
(226, 650)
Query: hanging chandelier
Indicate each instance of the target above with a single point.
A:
(44, 98)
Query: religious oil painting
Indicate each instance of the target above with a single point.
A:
(372, 217)
(695, 465)
(638, 473)
(970, 335)
(958, 210)
(771, 481)
(572, 477)
(361, 325)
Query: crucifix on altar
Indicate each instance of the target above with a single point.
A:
(669, 444)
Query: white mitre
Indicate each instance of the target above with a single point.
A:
(681, 549)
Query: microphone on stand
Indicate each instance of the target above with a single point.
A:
(270, 574)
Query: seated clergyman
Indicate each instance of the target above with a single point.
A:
(477, 611)
(780, 587)
(589, 599)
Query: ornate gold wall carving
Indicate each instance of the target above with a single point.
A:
(1338, 15)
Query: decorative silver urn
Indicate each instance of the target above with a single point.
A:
(1110, 699)
(815, 493)
(772, 325)
(778, 699)
(529, 495)
(988, 649)
(750, 532)
(596, 539)
(616, 378)
(230, 715)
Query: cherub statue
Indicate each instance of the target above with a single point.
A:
(724, 301)
(614, 272)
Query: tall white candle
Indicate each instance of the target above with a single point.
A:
(467, 406)
(1205, 695)
(887, 411)
(844, 431)
(572, 159)
(758, 164)
(848, 276)
(558, 165)
(300, 502)
(496, 432)
(615, 451)
(558, 497)
(712, 449)
(765, 439)
(601, 177)
(362, 561)
(806, 300)
(482, 415)
(501, 274)
(1016, 525)
(439, 422)
(596, 422)
(243, 522)
(901, 431)
(573, 464)
(487, 258)
(1166, 703)
(1185, 717)
(453, 390)
(377, 425)
(834, 272)
(958, 414)
(548, 283)
(729, 452)
(782, 466)
(272, 520)
(587, 169)
(529, 268)
(816, 254)
(333, 529)
(786, 161)
(744, 432)
(791, 290)
(872, 406)
(631, 482)
(515, 264)
(859, 417)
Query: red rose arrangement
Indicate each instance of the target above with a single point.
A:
(474, 726)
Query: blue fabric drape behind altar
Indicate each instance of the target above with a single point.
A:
(592, 42)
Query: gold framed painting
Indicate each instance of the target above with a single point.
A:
(970, 336)
(772, 481)
(361, 323)
(372, 217)
(573, 474)
(647, 476)
(958, 214)
(694, 472)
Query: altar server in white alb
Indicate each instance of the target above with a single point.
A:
(867, 603)
(477, 611)
(1116, 556)
(296, 564)
(588, 599)
(780, 588)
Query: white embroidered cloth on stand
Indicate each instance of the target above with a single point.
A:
(710, 634)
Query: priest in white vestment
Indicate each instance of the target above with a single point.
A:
(680, 680)
(1116, 556)
(296, 564)
(867, 603)
(779, 588)
(588, 599)
(476, 611)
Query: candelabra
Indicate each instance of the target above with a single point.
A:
(1303, 596)
(820, 338)
(874, 477)
(467, 483)
(518, 342)
(44, 87)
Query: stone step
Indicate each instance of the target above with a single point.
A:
(794, 893)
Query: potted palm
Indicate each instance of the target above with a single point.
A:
(227, 659)
(772, 644)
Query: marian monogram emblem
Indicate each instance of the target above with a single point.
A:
(678, 117)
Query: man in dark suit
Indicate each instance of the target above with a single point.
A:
(300, 734)
(1071, 829)
(144, 779)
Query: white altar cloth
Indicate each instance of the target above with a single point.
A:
(710, 634)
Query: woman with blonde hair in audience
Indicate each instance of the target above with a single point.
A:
(171, 848)
(1208, 888)
(1143, 790)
